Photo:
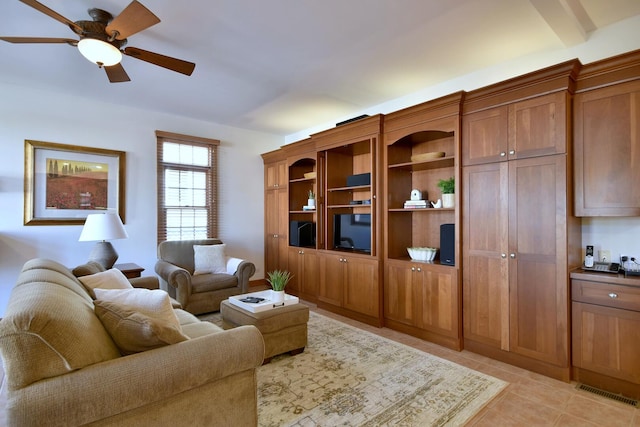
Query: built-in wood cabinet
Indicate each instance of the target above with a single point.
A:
(276, 205)
(349, 264)
(350, 282)
(607, 151)
(515, 289)
(514, 150)
(606, 331)
(423, 301)
(519, 236)
(528, 128)
(303, 265)
(422, 298)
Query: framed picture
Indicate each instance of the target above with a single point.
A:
(64, 183)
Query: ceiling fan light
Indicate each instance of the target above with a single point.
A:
(99, 52)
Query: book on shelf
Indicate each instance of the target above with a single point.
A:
(415, 204)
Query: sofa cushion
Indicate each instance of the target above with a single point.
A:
(138, 319)
(87, 269)
(56, 328)
(109, 279)
(209, 259)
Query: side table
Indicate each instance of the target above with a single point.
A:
(130, 269)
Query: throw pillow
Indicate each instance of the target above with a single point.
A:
(110, 279)
(138, 319)
(209, 259)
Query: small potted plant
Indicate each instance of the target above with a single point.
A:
(278, 280)
(448, 188)
(311, 199)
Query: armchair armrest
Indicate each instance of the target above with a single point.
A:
(148, 282)
(105, 389)
(176, 277)
(243, 270)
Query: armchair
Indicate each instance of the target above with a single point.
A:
(201, 293)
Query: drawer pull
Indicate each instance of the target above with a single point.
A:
(613, 295)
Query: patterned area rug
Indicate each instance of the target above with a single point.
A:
(350, 377)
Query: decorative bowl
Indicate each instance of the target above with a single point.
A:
(422, 253)
(427, 156)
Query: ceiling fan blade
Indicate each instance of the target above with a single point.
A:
(39, 40)
(134, 18)
(173, 64)
(117, 74)
(53, 14)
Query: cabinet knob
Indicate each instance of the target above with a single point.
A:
(613, 295)
(419, 269)
(512, 152)
(513, 256)
(301, 252)
(502, 154)
(504, 256)
(275, 236)
(413, 269)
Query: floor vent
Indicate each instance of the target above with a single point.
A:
(608, 394)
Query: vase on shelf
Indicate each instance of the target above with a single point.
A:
(311, 203)
(448, 200)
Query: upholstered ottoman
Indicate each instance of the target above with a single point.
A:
(284, 329)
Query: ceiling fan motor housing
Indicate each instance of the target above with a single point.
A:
(96, 29)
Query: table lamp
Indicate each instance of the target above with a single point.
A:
(99, 228)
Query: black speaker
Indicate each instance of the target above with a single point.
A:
(447, 244)
(302, 233)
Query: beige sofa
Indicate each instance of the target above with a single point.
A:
(200, 293)
(63, 368)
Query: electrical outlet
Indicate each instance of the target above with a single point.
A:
(604, 255)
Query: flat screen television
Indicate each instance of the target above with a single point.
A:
(352, 231)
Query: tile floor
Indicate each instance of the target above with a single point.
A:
(530, 399)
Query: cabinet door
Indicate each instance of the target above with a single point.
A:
(276, 241)
(607, 151)
(361, 286)
(438, 296)
(485, 136)
(303, 264)
(295, 264)
(538, 277)
(400, 295)
(607, 340)
(537, 126)
(331, 278)
(485, 274)
(275, 175)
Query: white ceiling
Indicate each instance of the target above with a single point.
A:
(280, 66)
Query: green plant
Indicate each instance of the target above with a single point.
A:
(312, 195)
(278, 279)
(447, 186)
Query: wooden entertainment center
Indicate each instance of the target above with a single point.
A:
(518, 151)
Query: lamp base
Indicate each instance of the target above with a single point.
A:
(104, 254)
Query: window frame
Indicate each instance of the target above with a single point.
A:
(211, 185)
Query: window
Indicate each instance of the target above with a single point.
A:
(187, 187)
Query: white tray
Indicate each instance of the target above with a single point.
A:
(265, 305)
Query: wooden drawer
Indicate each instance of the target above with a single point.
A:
(626, 297)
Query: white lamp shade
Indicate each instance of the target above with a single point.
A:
(99, 52)
(102, 227)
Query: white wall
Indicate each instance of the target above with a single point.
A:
(37, 115)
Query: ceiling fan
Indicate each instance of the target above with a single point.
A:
(103, 40)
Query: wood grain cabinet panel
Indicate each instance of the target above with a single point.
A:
(606, 332)
(607, 151)
(528, 128)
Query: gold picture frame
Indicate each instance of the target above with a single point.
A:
(64, 183)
